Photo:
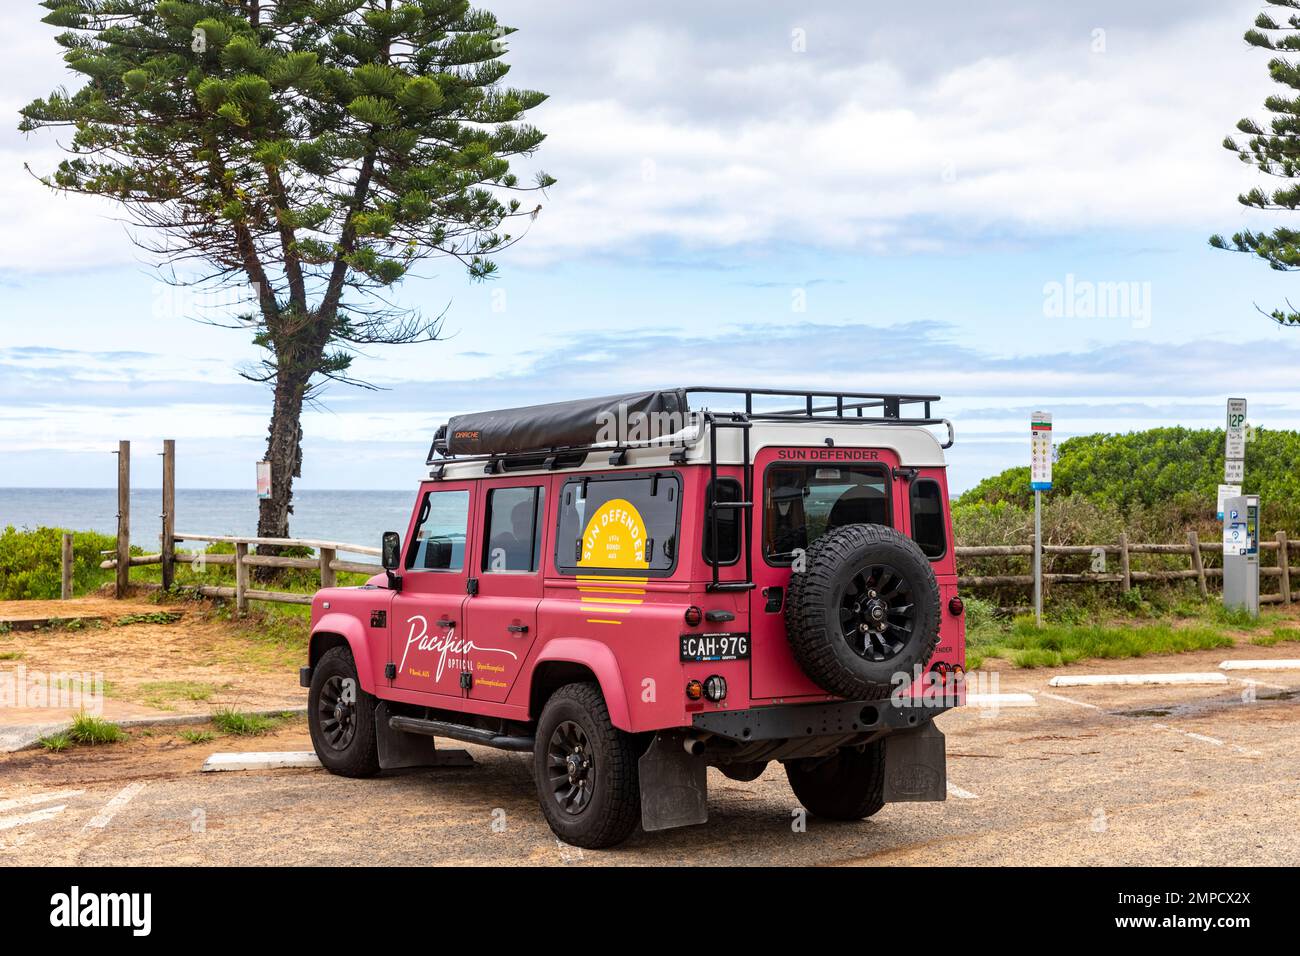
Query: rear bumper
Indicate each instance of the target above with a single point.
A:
(794, 721)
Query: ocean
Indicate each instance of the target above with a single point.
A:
(350, 517)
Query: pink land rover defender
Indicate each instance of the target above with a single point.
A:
(636, 588)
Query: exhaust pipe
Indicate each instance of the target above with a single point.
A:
(693, 745)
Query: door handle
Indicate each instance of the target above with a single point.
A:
(444, 622)
(517, 628)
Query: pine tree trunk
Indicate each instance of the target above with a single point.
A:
(284, 452)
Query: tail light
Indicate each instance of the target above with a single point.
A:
(955, 606)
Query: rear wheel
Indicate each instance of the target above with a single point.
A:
(341, 717)
(586, 770)
(847, 786)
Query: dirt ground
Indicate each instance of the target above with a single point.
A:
(190, 666)
(1125, 776)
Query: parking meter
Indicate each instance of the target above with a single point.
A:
(1241, 553)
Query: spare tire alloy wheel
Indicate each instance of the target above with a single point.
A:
(877, 613)
(864, 610)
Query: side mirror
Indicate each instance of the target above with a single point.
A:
(392, 551)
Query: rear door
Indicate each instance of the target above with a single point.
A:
(502, 616)
(800, 493)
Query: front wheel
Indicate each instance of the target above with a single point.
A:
(586, 770)
(341, 717)
(847, 786)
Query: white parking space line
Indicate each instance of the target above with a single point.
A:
(37, 798)
(1069, 700)
(36, 816)
(1124, 680)
(1185, 733)
(111, 809)
(1268, 665)
(957, 791)
(1001, 700)
(1250, 681)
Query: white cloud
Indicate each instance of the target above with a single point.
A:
(699, 136)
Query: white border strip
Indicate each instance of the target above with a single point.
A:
(286, 760)
(1273, 665)
(1128, 680)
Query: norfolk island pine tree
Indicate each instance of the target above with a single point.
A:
(315, 151)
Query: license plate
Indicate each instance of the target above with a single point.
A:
(715, 647)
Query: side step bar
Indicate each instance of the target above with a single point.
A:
(471, 735)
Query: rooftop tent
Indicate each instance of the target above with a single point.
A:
(575, 424)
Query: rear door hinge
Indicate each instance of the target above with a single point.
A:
(466, 680)
(471, 586)
(378, 618)
(390, 671)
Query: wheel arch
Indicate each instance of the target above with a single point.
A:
(338, 630)
(569, 660)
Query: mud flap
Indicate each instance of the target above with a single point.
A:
(916, 765)
(398, 749)
(674, 785)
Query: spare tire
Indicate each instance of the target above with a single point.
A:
(865, 608)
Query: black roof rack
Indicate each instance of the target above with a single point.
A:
(868, 408)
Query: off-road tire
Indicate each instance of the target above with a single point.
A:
(848, 786)
(360, 756)
(615, 800)
(812, 608)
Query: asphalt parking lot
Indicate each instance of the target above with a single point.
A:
(1124, 776)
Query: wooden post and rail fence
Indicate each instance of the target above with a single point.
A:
(328, 564)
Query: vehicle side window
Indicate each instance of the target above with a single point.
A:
(727, 548)
(613, 525)
(440, 533)
(513, 537)
(927, 518)
(803, 502)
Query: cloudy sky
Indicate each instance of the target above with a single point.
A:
(784, 194)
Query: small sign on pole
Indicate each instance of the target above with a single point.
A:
(1226, 492)
(1040, 451)
(1234, 443)
(263, 479)
(1040, 479)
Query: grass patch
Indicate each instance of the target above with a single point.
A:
(177, 690)
(230, 721)
(1053, 645)
(11, 655)
(153, 617)
(197, 736)
(1278, 635)
(56, 743)
(95, 730)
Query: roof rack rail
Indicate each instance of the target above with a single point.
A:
(842, 407)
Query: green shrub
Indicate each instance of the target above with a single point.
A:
(31, 562)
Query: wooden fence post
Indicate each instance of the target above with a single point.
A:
(1124, 568)
(65, 591)
(241, 577)
(327, 576)
(1284, 565)
(168, 512)
(123, 519)
(1198, 563)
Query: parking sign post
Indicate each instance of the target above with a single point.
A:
(1040, 479)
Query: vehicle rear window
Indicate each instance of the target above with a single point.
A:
(803, 502)
(727, 549)
(927, 518)
(619, 525)
(513, 540)
(440, 532)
